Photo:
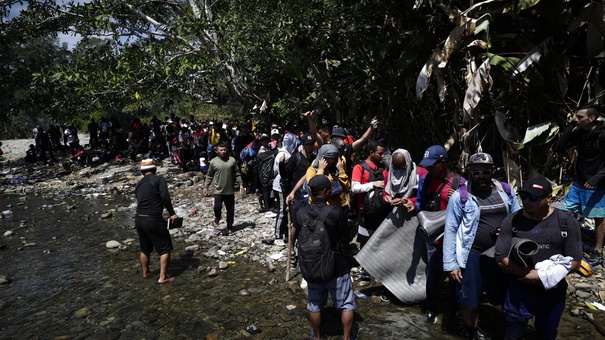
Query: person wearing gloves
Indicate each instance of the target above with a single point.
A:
(473, 216)
(556, 233)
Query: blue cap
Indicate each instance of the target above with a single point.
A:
(432, 155)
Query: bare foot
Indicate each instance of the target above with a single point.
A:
(168, 279)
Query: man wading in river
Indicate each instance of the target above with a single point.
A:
(152, 197)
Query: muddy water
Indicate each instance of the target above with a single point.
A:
(67, 285)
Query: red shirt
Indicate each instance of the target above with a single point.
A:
(363, 177)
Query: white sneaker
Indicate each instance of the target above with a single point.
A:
(279, 242)
(270, 214)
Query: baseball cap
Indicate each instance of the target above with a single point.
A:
(147, 164)
(432, 155)
(263, 136)
(481, 158)
(307, 139)
(538, 186)
(339, 132)
(274, 132)
(320, 182)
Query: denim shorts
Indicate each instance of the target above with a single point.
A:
(341, 290)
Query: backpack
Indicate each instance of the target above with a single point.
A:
(316, 257)
(264, 166)
(373, 205)
(433, 203)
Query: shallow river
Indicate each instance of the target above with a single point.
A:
(67, 285)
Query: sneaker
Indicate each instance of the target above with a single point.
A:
(279, 242)
(481, 335)
(270, 214)
(431, 317)
(595, 258)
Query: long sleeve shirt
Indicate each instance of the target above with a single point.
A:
(225, 174)
(590, 165)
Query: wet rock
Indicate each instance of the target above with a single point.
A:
(270, 266)
(82, 312)
(193, 247)
(112, 244)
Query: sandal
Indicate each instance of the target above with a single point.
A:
(230, 233)
(215, 224)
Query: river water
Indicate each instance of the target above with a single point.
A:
(65, 284)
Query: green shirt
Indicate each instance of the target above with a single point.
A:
(225, 175)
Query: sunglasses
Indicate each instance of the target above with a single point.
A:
(477, 173)
(532, 197)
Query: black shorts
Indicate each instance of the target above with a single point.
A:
(153, 234)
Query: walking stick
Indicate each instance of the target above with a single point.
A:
(289, 242)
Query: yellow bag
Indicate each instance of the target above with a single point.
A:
(585, 269)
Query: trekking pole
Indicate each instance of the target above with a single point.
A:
(289, 242)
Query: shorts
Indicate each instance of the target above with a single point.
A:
(587, 202)
(341, 291)
(481, 275)
(153, 233)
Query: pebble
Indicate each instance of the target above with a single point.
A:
(8, 233)
(82, 312)
(222, 265)
(4, 280)
(244, 292)
(112, 244)
(106, 215)
(213, 272)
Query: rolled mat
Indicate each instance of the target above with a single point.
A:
(522, 250)
(395, 255)
(431, 224)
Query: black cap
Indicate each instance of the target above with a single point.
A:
(307, 139)
(320, 182)
(538, 186)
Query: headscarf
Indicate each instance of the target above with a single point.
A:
(327, 151)
(402, 181)
(289, 143)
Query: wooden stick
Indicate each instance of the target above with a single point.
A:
(289, 242)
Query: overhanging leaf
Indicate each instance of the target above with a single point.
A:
(533, 56)
(593, 16)
(482, 81)
(504, 131)
(539, 134)
(440, 58)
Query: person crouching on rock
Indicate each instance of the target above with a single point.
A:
(152, 197)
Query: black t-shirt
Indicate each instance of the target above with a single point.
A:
(297, 166)
(493, 211)
(338, 231)
(152, 196)
(547, 233)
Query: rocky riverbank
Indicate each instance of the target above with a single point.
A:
(252, 243)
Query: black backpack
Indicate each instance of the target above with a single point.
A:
(373, 205)
(316, 257)
(264, 165)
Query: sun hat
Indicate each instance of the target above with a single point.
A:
(147, 164)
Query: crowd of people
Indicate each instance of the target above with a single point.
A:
(297, 171)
